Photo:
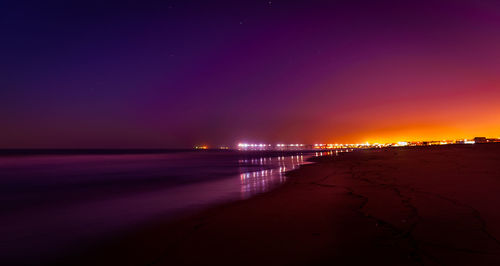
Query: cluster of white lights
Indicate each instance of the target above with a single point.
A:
(336, 145)
(262, 146)
(290, 145)
(245, 145)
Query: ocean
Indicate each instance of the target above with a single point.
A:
(56, 202)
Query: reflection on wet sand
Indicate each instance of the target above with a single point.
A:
(271, 171)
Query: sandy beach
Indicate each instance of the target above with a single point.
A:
(398, 206)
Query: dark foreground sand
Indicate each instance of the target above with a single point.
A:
(399, 206)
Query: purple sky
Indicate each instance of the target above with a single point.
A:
(138, 74)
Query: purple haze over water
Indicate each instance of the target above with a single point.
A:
(53, 204)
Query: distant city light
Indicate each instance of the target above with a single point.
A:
(203, 147)
(366, 145)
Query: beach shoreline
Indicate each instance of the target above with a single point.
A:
(404, 206)
(80, 200)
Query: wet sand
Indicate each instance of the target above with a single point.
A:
(398, 206)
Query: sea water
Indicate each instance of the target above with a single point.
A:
(52, 203)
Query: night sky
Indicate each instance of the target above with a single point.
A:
(138, 74)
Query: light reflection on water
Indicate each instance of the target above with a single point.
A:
(265, 179)
(271, 171)
(92, 212)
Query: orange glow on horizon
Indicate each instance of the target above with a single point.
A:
(426, 121)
